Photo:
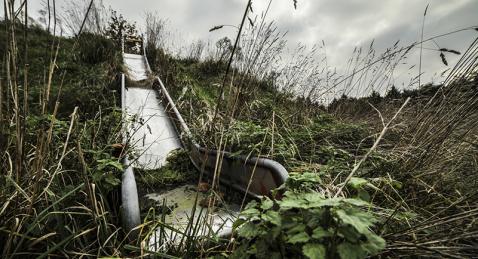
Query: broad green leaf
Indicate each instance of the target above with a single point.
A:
(111, 179)
(374, 244)
(314, 197)
(357, 202)
(249, 230)
(250, 210)
(116, 164)
(103, 163)
(330, 202)
(363, 195)
(251, 204)
(350, 251)
(272, 217)
(267, 204)
(349, 233)
(301, 237)
(356, 182)
(238, 223)
(314, 251)
(296, 228)
(359, 220)
(297, 234)
(289, 203)
(320, 233)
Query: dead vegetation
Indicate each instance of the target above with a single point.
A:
(375, 178)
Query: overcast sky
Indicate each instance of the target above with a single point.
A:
(342, 24)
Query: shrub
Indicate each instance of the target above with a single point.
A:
(306, 224)
(94, 49)
(393, 93)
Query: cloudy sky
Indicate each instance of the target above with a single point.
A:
(341, 24)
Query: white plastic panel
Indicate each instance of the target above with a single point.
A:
(151, 133)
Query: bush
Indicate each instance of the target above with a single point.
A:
(95, 49)
(211, 67)
(306, 224)
(151, 54)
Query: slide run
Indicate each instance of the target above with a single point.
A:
(153, 128)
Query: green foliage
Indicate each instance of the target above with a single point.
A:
(178, 170)
(327, 141)
(107, 170)
(305, 181)
(247, 137)
(393, 93)
(374, 97)
(67, 177)
(85, 72)
(306, 224)
(118, 26)
(212, 68)
(94, 49)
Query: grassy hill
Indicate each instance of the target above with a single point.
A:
(60, 115)
(363, 182)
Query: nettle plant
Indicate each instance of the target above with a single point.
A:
(306, 224)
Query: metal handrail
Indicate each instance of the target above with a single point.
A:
(144, 53)
(122, 43)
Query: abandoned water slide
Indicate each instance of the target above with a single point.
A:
(153, 127)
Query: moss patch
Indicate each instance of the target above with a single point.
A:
(178, 170)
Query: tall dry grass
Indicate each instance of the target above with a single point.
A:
(431, 146)
(51, 203)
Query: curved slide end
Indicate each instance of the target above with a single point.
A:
(252, 175)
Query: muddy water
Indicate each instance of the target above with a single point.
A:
(179, 204)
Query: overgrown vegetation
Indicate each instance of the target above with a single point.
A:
(305, 223)
(178, 169)
(359, 188)
(369, 176)
(59, 116)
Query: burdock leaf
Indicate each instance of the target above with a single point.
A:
(443, 59)
(314, 250)
(216, 28)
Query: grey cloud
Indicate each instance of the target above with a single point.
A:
(342, 24)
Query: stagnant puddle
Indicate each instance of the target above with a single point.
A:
(189, 211)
